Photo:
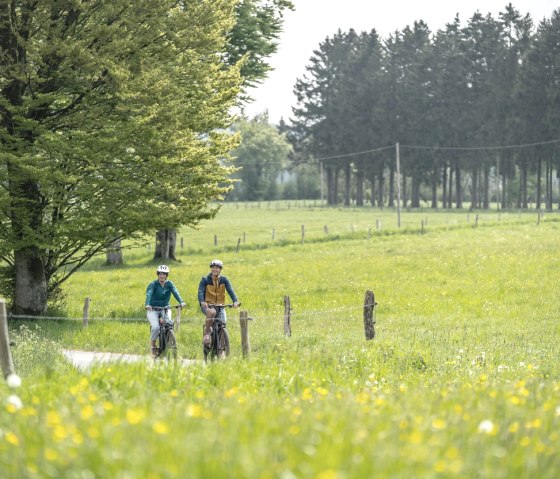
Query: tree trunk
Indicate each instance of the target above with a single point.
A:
(458, 188)
(347, 174)
(372, 183)
(31, 283)
(444, 186)
(360, 188)
(486, 194)
(114, 253)
(474, 188)
(450, 192)
(166, 240)
(391, 202)
(381, 189)
(539, 181)
(330, 185)
(415, 193)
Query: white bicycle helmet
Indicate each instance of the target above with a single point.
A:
(162, 268)
(216, 262)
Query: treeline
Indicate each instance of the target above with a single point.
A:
(475, 109)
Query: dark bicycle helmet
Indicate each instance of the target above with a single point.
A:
(216, 262)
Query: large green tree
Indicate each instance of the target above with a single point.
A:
(113, 124)
(252, 39)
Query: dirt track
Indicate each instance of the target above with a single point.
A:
(85, 359)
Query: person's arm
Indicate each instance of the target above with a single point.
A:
(201, 292)
(230, 291)
(176, 294)
(149, 292)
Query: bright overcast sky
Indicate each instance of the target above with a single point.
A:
(314, 20)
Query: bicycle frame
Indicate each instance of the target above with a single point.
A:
(167, 341)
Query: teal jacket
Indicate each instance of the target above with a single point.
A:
(157, 295)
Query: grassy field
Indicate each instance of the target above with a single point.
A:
(462, 379)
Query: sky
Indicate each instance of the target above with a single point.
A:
(315, 20)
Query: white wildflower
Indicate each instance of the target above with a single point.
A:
(486, 427)
(15, 401)
(13, 380)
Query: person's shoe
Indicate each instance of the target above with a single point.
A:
(155, 353)
(206, 340)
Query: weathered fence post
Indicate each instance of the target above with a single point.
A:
(302, 233)
(86, 312)
(369, 318)
(5, 353)
(476, 221)
(422, 230)
(238, 243)
(287, 316)
(215, 240)
(245, 347)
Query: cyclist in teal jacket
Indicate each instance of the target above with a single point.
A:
(158, 294)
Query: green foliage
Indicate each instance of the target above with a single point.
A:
(452, 96)
(34, 355)
(113, 119)
(261, 155)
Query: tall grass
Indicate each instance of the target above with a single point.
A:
(462, 379)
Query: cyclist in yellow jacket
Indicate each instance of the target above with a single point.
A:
(212, 290)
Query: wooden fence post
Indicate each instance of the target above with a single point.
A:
(86, 312)
(215, 240)
(238, 243)
(302, 233)
(369, 319)
(5, 353)
(245, 347)
(287, 316)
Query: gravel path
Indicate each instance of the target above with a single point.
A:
(85, 359)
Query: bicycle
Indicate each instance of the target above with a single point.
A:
(166, 343)
(219, 337)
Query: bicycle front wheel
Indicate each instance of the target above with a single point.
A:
(223, 343)
(171, 344)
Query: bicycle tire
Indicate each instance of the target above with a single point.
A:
(171, 344)
(206, 349)
(223, 341)
(162, 340)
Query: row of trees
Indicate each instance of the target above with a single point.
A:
(446, 97)
(114, 124)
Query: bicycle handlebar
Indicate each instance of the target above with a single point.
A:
(222, 305)
(165, 308)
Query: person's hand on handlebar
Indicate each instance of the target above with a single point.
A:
(183, 305)
(204, 304)
(236, 304)
(148, 307)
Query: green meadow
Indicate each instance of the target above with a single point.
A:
(462, 379)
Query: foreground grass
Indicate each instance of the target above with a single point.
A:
(461, 381)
